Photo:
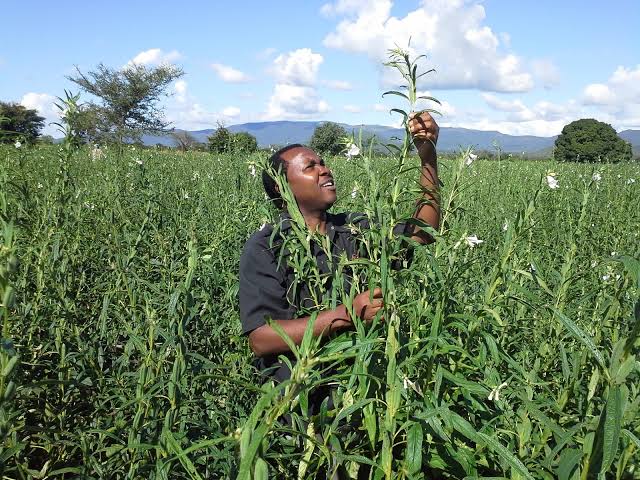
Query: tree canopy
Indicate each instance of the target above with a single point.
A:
(328, 138)
(223, 141)
(18, 122)
(127, 100)
(588, 140)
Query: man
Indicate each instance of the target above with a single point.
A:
(264, 285)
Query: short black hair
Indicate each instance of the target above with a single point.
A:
(278, 164)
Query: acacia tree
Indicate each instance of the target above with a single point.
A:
(19, 122)
(588, 140)
(128, 99)
(328, 138)
(184, 140)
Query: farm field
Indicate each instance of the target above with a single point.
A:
(509, 350)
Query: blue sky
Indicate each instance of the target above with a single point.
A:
(525, 67)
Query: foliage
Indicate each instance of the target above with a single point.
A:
(223, 141)
(588, 141)
(127, 100)
(244, 142)
(328, 138)
(19, 123)
(220, 140)
(122, 355)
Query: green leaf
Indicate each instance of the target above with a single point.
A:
(395, 92)
(569, 460)
(632, 437)
(506, 455)
(261, 470)
(581, 336)
(613, 425)
(413, 459)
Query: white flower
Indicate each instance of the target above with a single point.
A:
(406, 383)
(17, 144)
(606, 277)
(495, 393)
(505, 226)
(263, 226)
(354, 192)
(630, 181)
(352, 150)
(186, 195)
(469, 158)
(473, 240)
(138, 161)
(596, 177)
(252, 170)
(552, 182)
(40, 185)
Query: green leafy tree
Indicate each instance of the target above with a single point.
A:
(328, 138)
(127, 100)
(588, 140)
(220, 140)
(244, 142)
(19, 122)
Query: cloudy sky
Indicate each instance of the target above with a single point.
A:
(519, 67)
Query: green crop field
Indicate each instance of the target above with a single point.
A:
(122, 355)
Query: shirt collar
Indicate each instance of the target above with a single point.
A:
(332, 227)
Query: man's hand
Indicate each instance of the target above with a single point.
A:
(367, 308)
(424, 131)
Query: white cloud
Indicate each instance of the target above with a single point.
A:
(545, 72)
(188, 114)
(180, 89)
(352, 108)
(299, 67)
(231, 111)
(503, 105)
(338, 85)
(229, 74)
(343, 7)
(543, 111)
(154, 57)
(618, 100)
(45, 106)
(465, 51)
(622, 86)
(294, 95)
(379, 107)
(294, 102)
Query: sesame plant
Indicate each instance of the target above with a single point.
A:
(506, 349)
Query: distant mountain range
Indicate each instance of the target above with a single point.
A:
(451, 139)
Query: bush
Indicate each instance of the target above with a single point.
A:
(327, 138)
(588, 140)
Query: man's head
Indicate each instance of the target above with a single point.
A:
(311, 182)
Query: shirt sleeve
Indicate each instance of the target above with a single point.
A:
(262, 291)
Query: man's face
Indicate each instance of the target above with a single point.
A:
(310, 180)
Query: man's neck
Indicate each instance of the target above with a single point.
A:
(316, 221)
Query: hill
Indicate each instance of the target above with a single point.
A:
(451, 139)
